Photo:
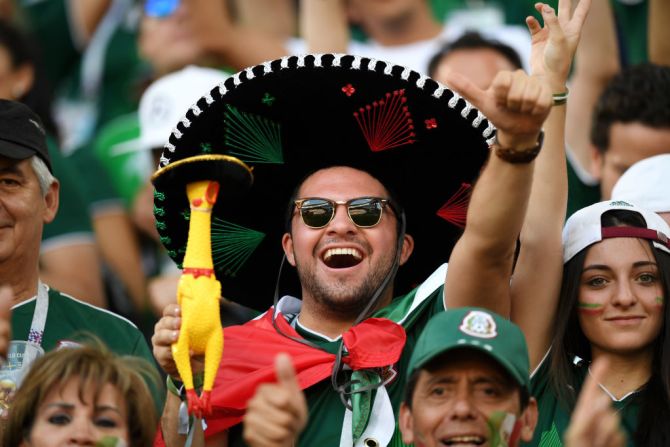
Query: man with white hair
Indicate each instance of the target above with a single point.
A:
(44, 317)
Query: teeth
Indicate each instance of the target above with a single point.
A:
(466, 439)
(342, 251)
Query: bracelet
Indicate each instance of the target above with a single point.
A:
(174, 386)
(560, 98)
(516, 156)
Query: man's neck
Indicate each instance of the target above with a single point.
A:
(410, 27)
(331, 324)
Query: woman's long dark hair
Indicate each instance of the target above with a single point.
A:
(569, 341)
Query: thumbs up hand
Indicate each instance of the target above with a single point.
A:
(278, 411)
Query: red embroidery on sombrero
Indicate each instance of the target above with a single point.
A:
(455, 210)
(431, 123)
(248, 360)
(348, 89)
(386, 123)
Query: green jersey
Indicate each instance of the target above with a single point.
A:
(329, 423)
(67, 319)
(72, 222)
(554, 416)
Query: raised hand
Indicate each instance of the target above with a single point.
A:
(166, 332)
(594, 423)
(278, 412)
(553, 46)
(516, 103)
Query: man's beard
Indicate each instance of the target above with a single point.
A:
(340, 298)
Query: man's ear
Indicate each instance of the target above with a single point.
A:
(529, 420)
(407, 248)
(597, 160)
(51, 202)
(406, 424)
(287, 245)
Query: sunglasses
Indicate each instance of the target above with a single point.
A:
(364, 212)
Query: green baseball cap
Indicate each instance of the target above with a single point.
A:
(475, 328)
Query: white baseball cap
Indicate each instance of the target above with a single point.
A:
(646, 184)
(584, 228)
(167, 100)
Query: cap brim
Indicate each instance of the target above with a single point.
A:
(500, 359)
(15, 151)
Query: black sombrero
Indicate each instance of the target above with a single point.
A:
(289, 117)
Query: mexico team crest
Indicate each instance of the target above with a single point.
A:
(479, 324)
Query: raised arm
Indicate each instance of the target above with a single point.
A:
(537, 278)
(596, 61)
(233, 44)
(324, 26)
(481, 262)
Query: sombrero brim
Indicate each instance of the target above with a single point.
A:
(289, 117)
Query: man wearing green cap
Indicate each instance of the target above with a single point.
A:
(468, 382)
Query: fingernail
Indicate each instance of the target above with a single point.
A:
(547, 8)
(175, 335)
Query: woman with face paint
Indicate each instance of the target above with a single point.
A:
(611, 305)
(595, 290)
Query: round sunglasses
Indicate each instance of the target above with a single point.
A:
(364, 212)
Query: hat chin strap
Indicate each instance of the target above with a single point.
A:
(345, 389)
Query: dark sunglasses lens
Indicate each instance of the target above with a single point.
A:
(365, 212)
(316, 213)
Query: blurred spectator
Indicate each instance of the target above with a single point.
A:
(403, 32)
(69, 258)
(475, 57)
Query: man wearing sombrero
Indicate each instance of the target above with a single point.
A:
(345, 147)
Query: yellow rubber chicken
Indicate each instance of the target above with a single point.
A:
(198, 295)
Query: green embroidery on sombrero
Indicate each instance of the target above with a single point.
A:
(186, 214)
(252, 138)
(159, 195)
(268, 99)
(166, 240)
(232, 245)
(172, 253)
(550, 438)
(160, 225)
(181, 250)
(206, 148)
(158, 211)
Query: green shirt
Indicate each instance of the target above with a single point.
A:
(554, 417)
(326, 411)
(72, 222)
(68, 318)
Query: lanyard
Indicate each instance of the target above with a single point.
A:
(40, 314)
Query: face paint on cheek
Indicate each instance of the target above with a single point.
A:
(592, 309)
(659, 302)
(504, 429)
(111, 441)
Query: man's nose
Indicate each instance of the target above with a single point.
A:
(341, 223)
(464, 407)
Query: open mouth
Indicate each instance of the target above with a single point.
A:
(340, 258)
(464, 440)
